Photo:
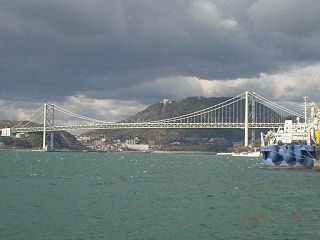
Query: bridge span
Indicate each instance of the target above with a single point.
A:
(246, 111)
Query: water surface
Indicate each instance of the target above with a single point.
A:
(153, 196)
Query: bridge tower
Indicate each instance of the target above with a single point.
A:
(48, 121)
(253, 118)
(249, 117)
(246, 120)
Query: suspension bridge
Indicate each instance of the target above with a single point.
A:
(247, 111)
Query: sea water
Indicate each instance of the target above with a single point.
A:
(153, 196)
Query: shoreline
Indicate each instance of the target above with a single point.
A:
(90, 151)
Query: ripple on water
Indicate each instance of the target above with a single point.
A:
(154, 196)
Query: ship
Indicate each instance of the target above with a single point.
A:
(296, 144)
(254, 154)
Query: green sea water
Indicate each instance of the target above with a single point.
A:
(153, 196)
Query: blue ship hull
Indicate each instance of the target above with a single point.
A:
(288, 156)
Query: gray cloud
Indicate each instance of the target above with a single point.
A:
(291, 17)
(122, 49)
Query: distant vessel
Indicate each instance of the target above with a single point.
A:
(295, 145)
(247, 154)
(39, 150)
(224, 154)
(241, 154)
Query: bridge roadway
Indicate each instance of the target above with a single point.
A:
(146, 125)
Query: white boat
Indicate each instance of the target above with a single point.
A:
(246, 154)
(224, 154)
(39, 150)
(241, 154)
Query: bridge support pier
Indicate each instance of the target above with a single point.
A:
(246, 137)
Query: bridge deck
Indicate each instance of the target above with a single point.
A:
(147, 125)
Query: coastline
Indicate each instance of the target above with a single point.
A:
(90, 151)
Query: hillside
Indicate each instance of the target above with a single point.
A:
(62, 140)
(176, 139)
(171, 108)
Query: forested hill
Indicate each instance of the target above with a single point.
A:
(62, 140)
(189, 139)
(172, 108)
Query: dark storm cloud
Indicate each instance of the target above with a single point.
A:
(54, 49)
(292, 17)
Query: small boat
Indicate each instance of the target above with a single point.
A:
(247, 154)
(254, 154)
(224, 154)
(39, 150)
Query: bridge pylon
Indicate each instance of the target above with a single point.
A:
(48, 122)
(246, 120)
(253, 116)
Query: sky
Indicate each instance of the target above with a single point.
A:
(108, 59)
